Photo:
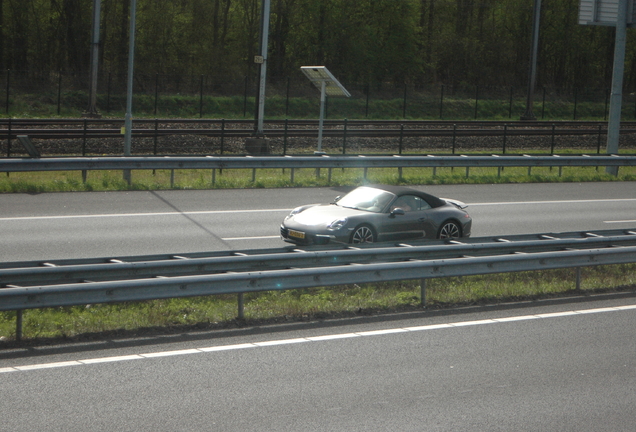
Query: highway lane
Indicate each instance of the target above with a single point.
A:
(529, 367)
(73, 225)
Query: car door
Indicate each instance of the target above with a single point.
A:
(414, 223)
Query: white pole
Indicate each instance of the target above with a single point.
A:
(131, 63)
(263, 77)
(322, 114)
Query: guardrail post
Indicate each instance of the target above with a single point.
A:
(213, 177)
(18, 325)
(241, 306)
(423, 292)
(171, 179)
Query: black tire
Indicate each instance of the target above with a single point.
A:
(449, 229)
(363, 234)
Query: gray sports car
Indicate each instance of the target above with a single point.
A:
(377, 213)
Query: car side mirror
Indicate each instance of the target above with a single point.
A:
(397, 211)
(336, 199)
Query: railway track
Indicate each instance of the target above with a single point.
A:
(102, 128)
(59, 136)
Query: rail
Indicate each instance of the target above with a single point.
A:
(220, 129)
(28, 285)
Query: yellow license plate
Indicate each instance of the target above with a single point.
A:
(296, 234)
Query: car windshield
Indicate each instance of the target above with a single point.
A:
(366, 198)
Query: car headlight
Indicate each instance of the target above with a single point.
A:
(294, 212)
(337, 224)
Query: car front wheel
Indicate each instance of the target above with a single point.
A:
(363, 234)
(449, 230)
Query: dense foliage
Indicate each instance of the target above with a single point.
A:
(418, 42)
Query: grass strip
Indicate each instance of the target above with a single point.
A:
(96, 181)
(199, 313)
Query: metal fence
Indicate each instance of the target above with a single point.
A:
(202, 95)
(29, 285)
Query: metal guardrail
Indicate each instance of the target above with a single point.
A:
(107, 280)
(319, 161)
(57, 284)
(53, 272)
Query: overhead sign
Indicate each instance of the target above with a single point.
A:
(604, 12)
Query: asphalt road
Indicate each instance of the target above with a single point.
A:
(529, 367)
(75, 225)
(536, 366)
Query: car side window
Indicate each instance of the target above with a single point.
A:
(406, 203)
(421, 204)
(410, 203)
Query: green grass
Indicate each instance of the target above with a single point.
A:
(185, 314)
(71, 181)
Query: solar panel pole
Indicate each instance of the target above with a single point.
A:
(323, 97)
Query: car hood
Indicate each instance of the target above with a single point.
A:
(324, 214)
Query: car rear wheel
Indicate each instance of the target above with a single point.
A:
(449, 229)
(363, 234)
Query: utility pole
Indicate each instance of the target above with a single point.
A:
(262, 63)
(92, 111)
(129, 94)
(257, 144)
(536, 15)
(616, 99)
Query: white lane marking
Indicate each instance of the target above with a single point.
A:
(171, 353)
(48, 365)
(207, 212)
(314, 339)
(250, 238)
(620, 221)
(113, 215)
(111, 359)
(552, 202)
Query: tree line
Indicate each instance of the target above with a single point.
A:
(415, 42)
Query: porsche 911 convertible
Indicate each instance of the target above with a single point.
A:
(370, 214)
